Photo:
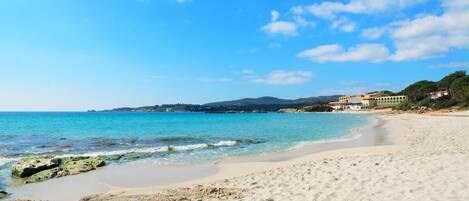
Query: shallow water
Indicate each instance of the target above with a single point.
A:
(166, 137)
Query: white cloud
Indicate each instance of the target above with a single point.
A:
(301, 21)
(423, 37)
(349, 27)
(329, 9)
(432, 35)
(275, 14)
(281, 77)
(343, 24)
(336, 53)
(373, 33)
(335, 10)
(183, 1)
(280, 27)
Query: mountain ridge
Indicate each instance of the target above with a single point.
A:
(270, 100)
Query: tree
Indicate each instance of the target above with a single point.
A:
(460, 90)
(446, 82)
(419, 90)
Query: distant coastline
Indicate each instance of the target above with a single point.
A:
(247, 105)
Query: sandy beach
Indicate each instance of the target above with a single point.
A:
(421, 157)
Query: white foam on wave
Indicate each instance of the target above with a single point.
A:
(226, 143)
(151, 150)
(4, 161)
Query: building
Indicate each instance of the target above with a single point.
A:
(344, 99)
(369, 100)
(389, 101)
(337, 105)
(348, 102)
(438, 94)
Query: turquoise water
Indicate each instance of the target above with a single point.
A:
(194, 137)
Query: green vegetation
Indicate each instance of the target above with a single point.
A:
(460, 90)
(318, 108)
(456, 83)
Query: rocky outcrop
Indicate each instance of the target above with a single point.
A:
(32, 165)
(37, 169)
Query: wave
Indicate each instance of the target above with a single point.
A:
(160, 149)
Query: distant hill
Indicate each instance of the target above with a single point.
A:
(267, 100)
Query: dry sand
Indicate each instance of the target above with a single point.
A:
(429, 161)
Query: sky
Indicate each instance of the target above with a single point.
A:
(77, 55)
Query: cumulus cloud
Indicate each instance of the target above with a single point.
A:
(433, 35)
(329, 9)
(425, 36)
(336, 10)
(280, 27)
(336, 53)
(281, 77)
(286, 28)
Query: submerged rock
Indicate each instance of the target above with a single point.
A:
(32, 165)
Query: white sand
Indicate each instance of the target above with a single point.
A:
(429, 162)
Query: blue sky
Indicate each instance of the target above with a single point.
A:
(86, 54)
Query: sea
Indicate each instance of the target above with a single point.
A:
(165, 138)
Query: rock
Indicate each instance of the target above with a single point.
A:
(43, 175)
(3, 194)
(32, 165)
(76, 165)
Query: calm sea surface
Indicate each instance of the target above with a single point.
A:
(163, 137)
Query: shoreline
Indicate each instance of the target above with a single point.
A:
(134, 175)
